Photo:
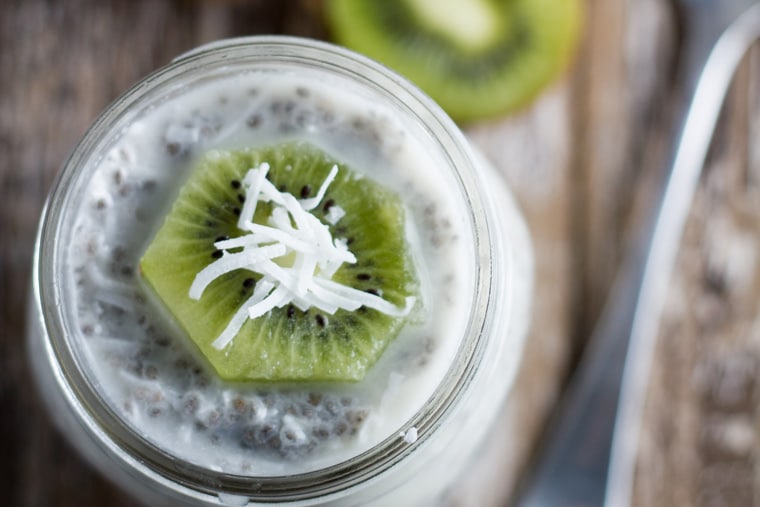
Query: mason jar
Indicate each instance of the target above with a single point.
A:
(133, 394)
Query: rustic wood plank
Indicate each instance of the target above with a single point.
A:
(603, 137)
(61, 63)
(532, 150)
(700, 436)
(573, 159)
(100, 59)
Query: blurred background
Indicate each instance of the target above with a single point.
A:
(580, 158)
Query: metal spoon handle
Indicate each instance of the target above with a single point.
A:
(589, 456)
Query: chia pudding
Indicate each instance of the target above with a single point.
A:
(151, 377)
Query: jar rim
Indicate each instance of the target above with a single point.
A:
(197, 480)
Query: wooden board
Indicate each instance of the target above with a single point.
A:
(577, 160)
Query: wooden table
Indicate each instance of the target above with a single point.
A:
(578, 159)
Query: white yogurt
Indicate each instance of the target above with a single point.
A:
(131, 391)
(147, 370)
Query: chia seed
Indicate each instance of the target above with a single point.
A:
(254, 121)
(173, 148)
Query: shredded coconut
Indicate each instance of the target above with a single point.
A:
(310, 204)
(295, 254)
(334, 214)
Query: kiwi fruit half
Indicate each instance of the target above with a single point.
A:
(288, 342)
(476, 58)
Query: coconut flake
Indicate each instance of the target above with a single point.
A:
(236, 323)
(367, 299)
(305, 266)
(313, 202)
(254, 179)
(231, 262)
(277, 298)
(270, 194)
(334, 214)
(264, 234)
(295, 254)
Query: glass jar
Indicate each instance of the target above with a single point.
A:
(414, 461)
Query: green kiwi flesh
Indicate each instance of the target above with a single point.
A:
(485, 68)
(286, 344)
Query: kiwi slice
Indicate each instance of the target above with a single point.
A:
(476, 58)
(288, 342)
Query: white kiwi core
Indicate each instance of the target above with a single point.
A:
(472, 24)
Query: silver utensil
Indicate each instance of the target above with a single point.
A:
(589, 455)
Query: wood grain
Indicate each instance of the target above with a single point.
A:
(577, 159)
(61, 63)
(701, 421)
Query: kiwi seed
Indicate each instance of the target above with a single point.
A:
(254, 121)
